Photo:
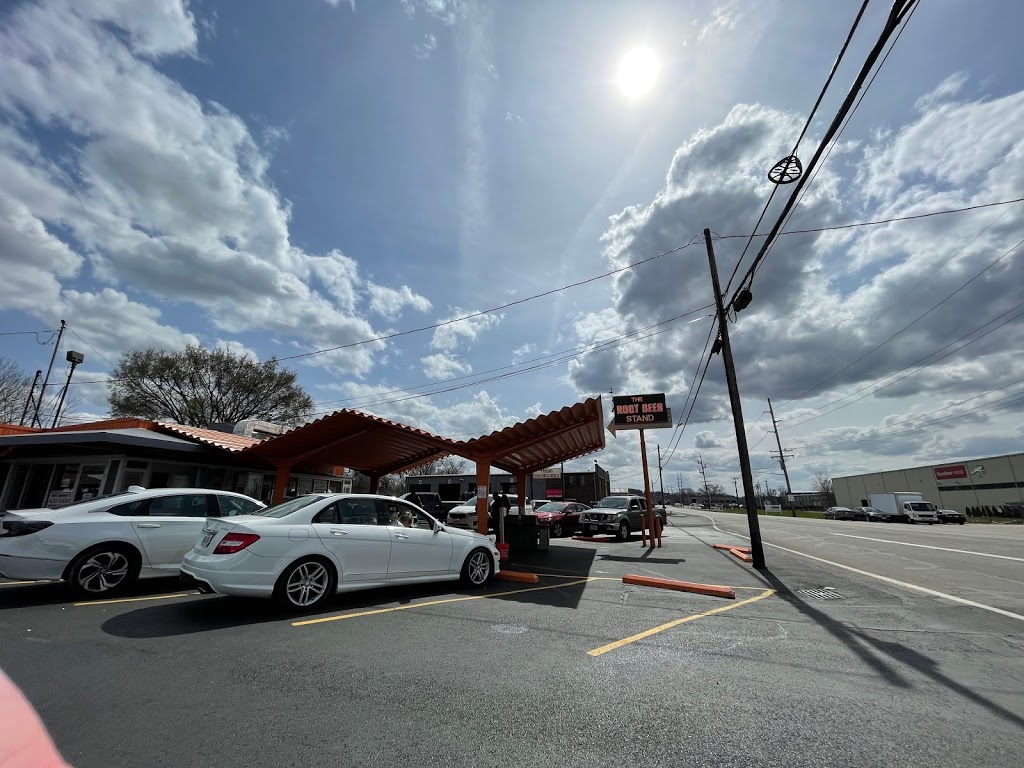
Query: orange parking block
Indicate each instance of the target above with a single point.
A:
(732, 546)
(739, 553)
(525, 578)
(713, 590)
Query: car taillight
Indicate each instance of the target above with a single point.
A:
(25, 527)
(235, 542)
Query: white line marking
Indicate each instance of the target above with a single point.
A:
(904, 584)
(925, 546)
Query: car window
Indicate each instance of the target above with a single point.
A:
(287, 507)
(357, 512)
(134, 507)
(184, 505)
(235, 505)
(399, 514)
(329, 515)
(613, 502)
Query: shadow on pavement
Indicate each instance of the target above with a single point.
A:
(643, 559)
(881, 655)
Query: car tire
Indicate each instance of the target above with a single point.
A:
(623, 533)
(306, 584)
(104, 570)
(556, 531)
(962, 522)
(478, 568)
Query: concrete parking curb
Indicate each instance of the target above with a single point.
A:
(525, 578)
(742, 553)
(712, 590)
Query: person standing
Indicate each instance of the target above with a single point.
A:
(495, 515)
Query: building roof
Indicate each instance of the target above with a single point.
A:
(370, 444)
(132, 436)
(226, 440)
(542, 441)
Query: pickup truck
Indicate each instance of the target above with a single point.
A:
(619, 515)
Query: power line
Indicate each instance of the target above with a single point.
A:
(910, 324)
(896, 16)
(690, 393)
(803, 132)
(912, 373)
(90, 346)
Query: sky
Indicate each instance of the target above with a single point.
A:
(434, 210)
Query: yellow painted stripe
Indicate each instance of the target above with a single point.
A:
(377, 611)
(136, 599)
(676, 623)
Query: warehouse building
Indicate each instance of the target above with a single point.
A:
(992, 486)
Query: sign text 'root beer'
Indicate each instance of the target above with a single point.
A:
(641, 411)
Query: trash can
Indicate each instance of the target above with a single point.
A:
(521, 534)
(543, 538)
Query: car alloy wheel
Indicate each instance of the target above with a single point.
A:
(103, 571)
(478, 568)
(556, 530)
(307, 584)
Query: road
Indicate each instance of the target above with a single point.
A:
(983, 564)
(576, 670)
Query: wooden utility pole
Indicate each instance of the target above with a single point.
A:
(36, 419)
(782, 454)
(756, 548)
(707, 491)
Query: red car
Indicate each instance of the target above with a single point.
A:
(562, 517)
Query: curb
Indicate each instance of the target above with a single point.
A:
(712, 590)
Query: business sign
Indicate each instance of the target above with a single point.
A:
(552, 473)
(951, 472)
(640, 412)
(58, 499)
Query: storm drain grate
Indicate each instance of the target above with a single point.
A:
(827, 593)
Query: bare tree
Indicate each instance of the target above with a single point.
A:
(198, 386)
(14, 384)
(715, 489)
(822, 484)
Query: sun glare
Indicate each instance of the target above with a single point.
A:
(638, 71)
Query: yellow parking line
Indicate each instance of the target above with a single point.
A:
(433, 602)
(676, 623)
(17, 583)
(136, 599)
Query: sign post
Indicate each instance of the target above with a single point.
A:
(642, 412)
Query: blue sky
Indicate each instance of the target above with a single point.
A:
(286, 177)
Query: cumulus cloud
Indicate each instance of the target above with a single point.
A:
(158, 193)
(458, 335)
(389, 302)
(440, 366)
(425, 47)
(445, 11)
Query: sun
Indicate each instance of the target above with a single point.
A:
(638, 71)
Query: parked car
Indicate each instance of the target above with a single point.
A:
(304, 550)
(839, 513)
(876, 515)
(101, 546)
(463, 516)
(562, 517)
(619, 515)
(951, 516)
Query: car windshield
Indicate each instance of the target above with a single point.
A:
(613, 502)
(921, 506)
(287, 507)
(551, 506)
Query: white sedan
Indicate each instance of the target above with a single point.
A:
(100, 547)
(306, 549)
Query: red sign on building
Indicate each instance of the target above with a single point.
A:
(952, 472)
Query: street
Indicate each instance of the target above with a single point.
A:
(811, 665)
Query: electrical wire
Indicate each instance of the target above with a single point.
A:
(677, 435)
(90, 346)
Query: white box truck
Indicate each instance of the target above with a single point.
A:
(906, 506)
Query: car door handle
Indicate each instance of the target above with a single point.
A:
(401, 536)
(149, 525)
(338, 533)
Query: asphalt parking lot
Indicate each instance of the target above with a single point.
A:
(579, 669)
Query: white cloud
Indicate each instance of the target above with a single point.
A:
(439, 367)
(159, 194)
(426, 47)
(389, 302)
(707, 439)
(458, 335)
(724, 18)
(520, 353)
(445, 11)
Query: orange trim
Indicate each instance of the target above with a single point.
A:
(712, 590)
(525, 578)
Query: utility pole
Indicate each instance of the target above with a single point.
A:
(76, 359)
(782, 454)
(31, 397)
(707, 491)
(735, 489)
(661, 480)
(756, 548)
(42, 392)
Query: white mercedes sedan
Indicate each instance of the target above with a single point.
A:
(100, 547)
(306, 549)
